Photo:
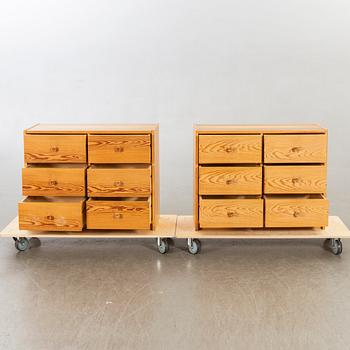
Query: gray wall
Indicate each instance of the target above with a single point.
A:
(177, 63)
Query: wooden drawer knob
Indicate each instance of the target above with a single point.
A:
(229, 149)
(54, 149)
(230, 214)
(296, 214)
(296, 149)
(50, 217)
(295, 180)
(230, 182)
(118, 216)
(118, 149)
(119, 183)
(53, 183)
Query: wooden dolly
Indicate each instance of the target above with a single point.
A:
(165, 229)
(333, 233)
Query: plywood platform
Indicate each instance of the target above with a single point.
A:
(336, 229)
(166, 229)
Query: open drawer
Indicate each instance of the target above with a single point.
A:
(296, 210)
(118, 213)
(51, 213)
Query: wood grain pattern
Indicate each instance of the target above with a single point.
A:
(230, 180)
(43, 215)
(118, 214)
(259, 128)
(54, 148)
(296, 211)
(230, 213)
(230, 149)
(295, 148)
(295, 179)
(119, 182)
(46, 181)
(119, 149)
(92, 128)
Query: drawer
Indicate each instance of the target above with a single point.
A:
(295, 148)
(54, 148)
(124, 213)
(46, 180)
(233, 212)
(51, 214)
(230, 180)
(106, 181)
(119, 148)
(295, 179)
(230, 149)
(296, 211)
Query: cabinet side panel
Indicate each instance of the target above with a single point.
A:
(195, 180)
(155, 179)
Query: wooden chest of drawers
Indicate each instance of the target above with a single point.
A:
(260, 176)
(90, 176)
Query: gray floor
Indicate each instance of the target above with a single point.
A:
(122, 294)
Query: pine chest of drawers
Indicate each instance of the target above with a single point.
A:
(90, 176)
(254, 176)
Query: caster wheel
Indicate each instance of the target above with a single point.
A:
(34, 242)
(336, 246)
(163, 246)
(195, 246)
(22, 244)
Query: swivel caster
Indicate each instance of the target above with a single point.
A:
(163, 245)
(194, 245)
(335, 245)
(21, 243)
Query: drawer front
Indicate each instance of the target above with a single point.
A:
(230, 180)
(230, 149)
(53, 182)
(55, 148)
(119, 182)
(296, 212)
(43, 216)
(216, 213)
(124, 215)
(119, 149)
(295, 179)
(295, 148)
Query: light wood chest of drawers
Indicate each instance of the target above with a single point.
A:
(90, 176)
(253, 176)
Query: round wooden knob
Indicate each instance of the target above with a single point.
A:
(230, 182)
(230, 214)
(296, 149)
(295, 180)
(53, 183)
(118, 216)
(50, 217)
(229, 149)
(54, 149)
(296, 214)
(118, 183)
(118, 149)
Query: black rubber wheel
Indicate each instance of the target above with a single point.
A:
(163, 247)
(195, 247)
(22, 244)
(337, 247)
(34, 242)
